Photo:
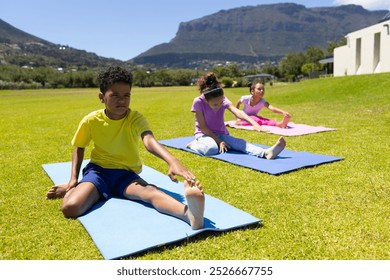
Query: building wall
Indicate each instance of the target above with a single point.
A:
(366, 52)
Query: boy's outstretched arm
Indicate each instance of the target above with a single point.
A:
(59, 191)
(77, 160)
(176, 168)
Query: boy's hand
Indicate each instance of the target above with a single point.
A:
(177, 169)
(71, 184)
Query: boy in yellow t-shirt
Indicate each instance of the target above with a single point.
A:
(115, 164)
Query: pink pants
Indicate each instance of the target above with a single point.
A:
(260, 121)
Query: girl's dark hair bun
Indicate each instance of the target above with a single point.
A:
(211, 79)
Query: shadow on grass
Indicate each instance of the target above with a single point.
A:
(199, 237)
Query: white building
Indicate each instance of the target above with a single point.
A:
(367, 51)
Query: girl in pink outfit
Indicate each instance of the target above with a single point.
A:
(253, 104)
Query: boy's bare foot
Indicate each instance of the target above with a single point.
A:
(195, 200)
(56, 192)
(276, 149)
(284, 122)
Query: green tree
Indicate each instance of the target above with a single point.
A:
(41, 75)
(142, 78)
(228, 82)
(290, 65)
(183, 77)
(313, 56)
(269, 68)
(231, 71)
(162, 77)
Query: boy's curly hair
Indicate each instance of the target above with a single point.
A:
(112, 75)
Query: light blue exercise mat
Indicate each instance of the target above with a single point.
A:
(121, 227)
(285, 162)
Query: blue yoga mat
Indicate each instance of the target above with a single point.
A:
(121, 227)
(285, 162)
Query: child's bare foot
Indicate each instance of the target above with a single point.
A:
(56, 192)
(195, 200)
(276, 149)
(285, 121)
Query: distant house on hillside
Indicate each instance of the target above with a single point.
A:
(366, 52)
(328, 65)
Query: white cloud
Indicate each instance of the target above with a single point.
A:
(367, 4)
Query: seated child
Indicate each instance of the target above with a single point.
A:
(211, 135)
(115, 162)
(253, 104)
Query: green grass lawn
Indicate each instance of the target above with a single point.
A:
(336, 211)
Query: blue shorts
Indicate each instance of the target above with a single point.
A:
(109, 182)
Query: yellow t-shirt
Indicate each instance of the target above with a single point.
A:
(115, 141)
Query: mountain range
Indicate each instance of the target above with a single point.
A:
(245, 34)
(256, 33)
(23, 49)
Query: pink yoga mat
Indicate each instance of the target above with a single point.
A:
(292, 129)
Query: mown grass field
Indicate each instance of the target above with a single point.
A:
(333, 211)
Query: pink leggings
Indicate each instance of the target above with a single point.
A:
(260, 121)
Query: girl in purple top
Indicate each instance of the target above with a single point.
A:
(211, 135)
(253, 104)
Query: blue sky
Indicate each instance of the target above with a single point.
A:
(123, 29)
